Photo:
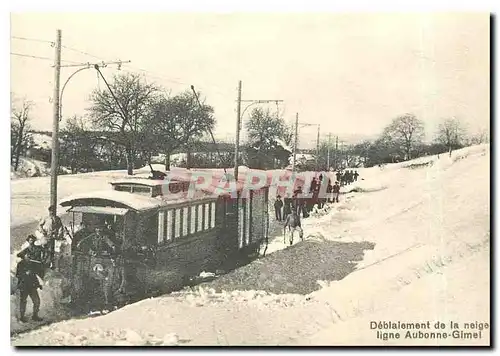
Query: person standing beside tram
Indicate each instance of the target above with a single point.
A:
(278, 206)
(288, 206)
(52, 229)
(298, 202)
(27, 272)
(99, 245)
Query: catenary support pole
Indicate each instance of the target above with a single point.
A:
(328, 153)
(296, 141)
(54, 163)
(317, 151)
(238, 129)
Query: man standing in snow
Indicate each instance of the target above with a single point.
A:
(339, 176)
(288, 206)
(293, 223)
(52, 229)
(336, 192)
(298, 202)
(33, 253)
(27, 270)
(329, 191)
(278, 205)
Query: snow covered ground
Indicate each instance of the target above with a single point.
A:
(411, 245)
(29, 167)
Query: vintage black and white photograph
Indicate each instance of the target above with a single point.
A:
(250, 178)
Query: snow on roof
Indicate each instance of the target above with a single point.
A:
(284, 145)
(141, 181)
(99, 210)
(133, 201)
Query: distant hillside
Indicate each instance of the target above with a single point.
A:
(42, 139)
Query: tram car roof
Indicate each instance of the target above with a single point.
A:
(141, 181)
(118, 203)
(198, 176)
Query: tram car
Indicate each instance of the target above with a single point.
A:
(140, 237)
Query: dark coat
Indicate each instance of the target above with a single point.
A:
(26, 273)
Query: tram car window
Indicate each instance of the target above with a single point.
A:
(142, 190)
(124, 188)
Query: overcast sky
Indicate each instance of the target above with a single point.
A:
(351, 73)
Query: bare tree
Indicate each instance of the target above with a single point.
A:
(451, 134)
(407, 131)
(127, 115)
(78, 146)
(482, 136)
(176, 121)
(362, 149)
(19, 128)
(265, 131)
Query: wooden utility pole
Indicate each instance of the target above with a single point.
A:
(54, 163)
(328, 152)
(336, 153)
(238, 128)
(317, 150)
(296, 141)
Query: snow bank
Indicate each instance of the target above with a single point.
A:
(53, 297)
(457, 292)
(362, 256)
(30, 168)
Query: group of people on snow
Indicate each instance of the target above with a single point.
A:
(38, 253)
(347, 177)
(291, 208)
(44, 250)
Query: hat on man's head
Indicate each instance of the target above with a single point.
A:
(31, 237)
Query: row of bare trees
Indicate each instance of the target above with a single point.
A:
(131, 122)
(402, 139)
(124, 127)
(134, 120)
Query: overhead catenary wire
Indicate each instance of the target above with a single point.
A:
(38, 57)
(150, 73)
(83, 52)
(211, 133)
(72, 48)
(32, 39)
(30, 56)
(156, 75)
